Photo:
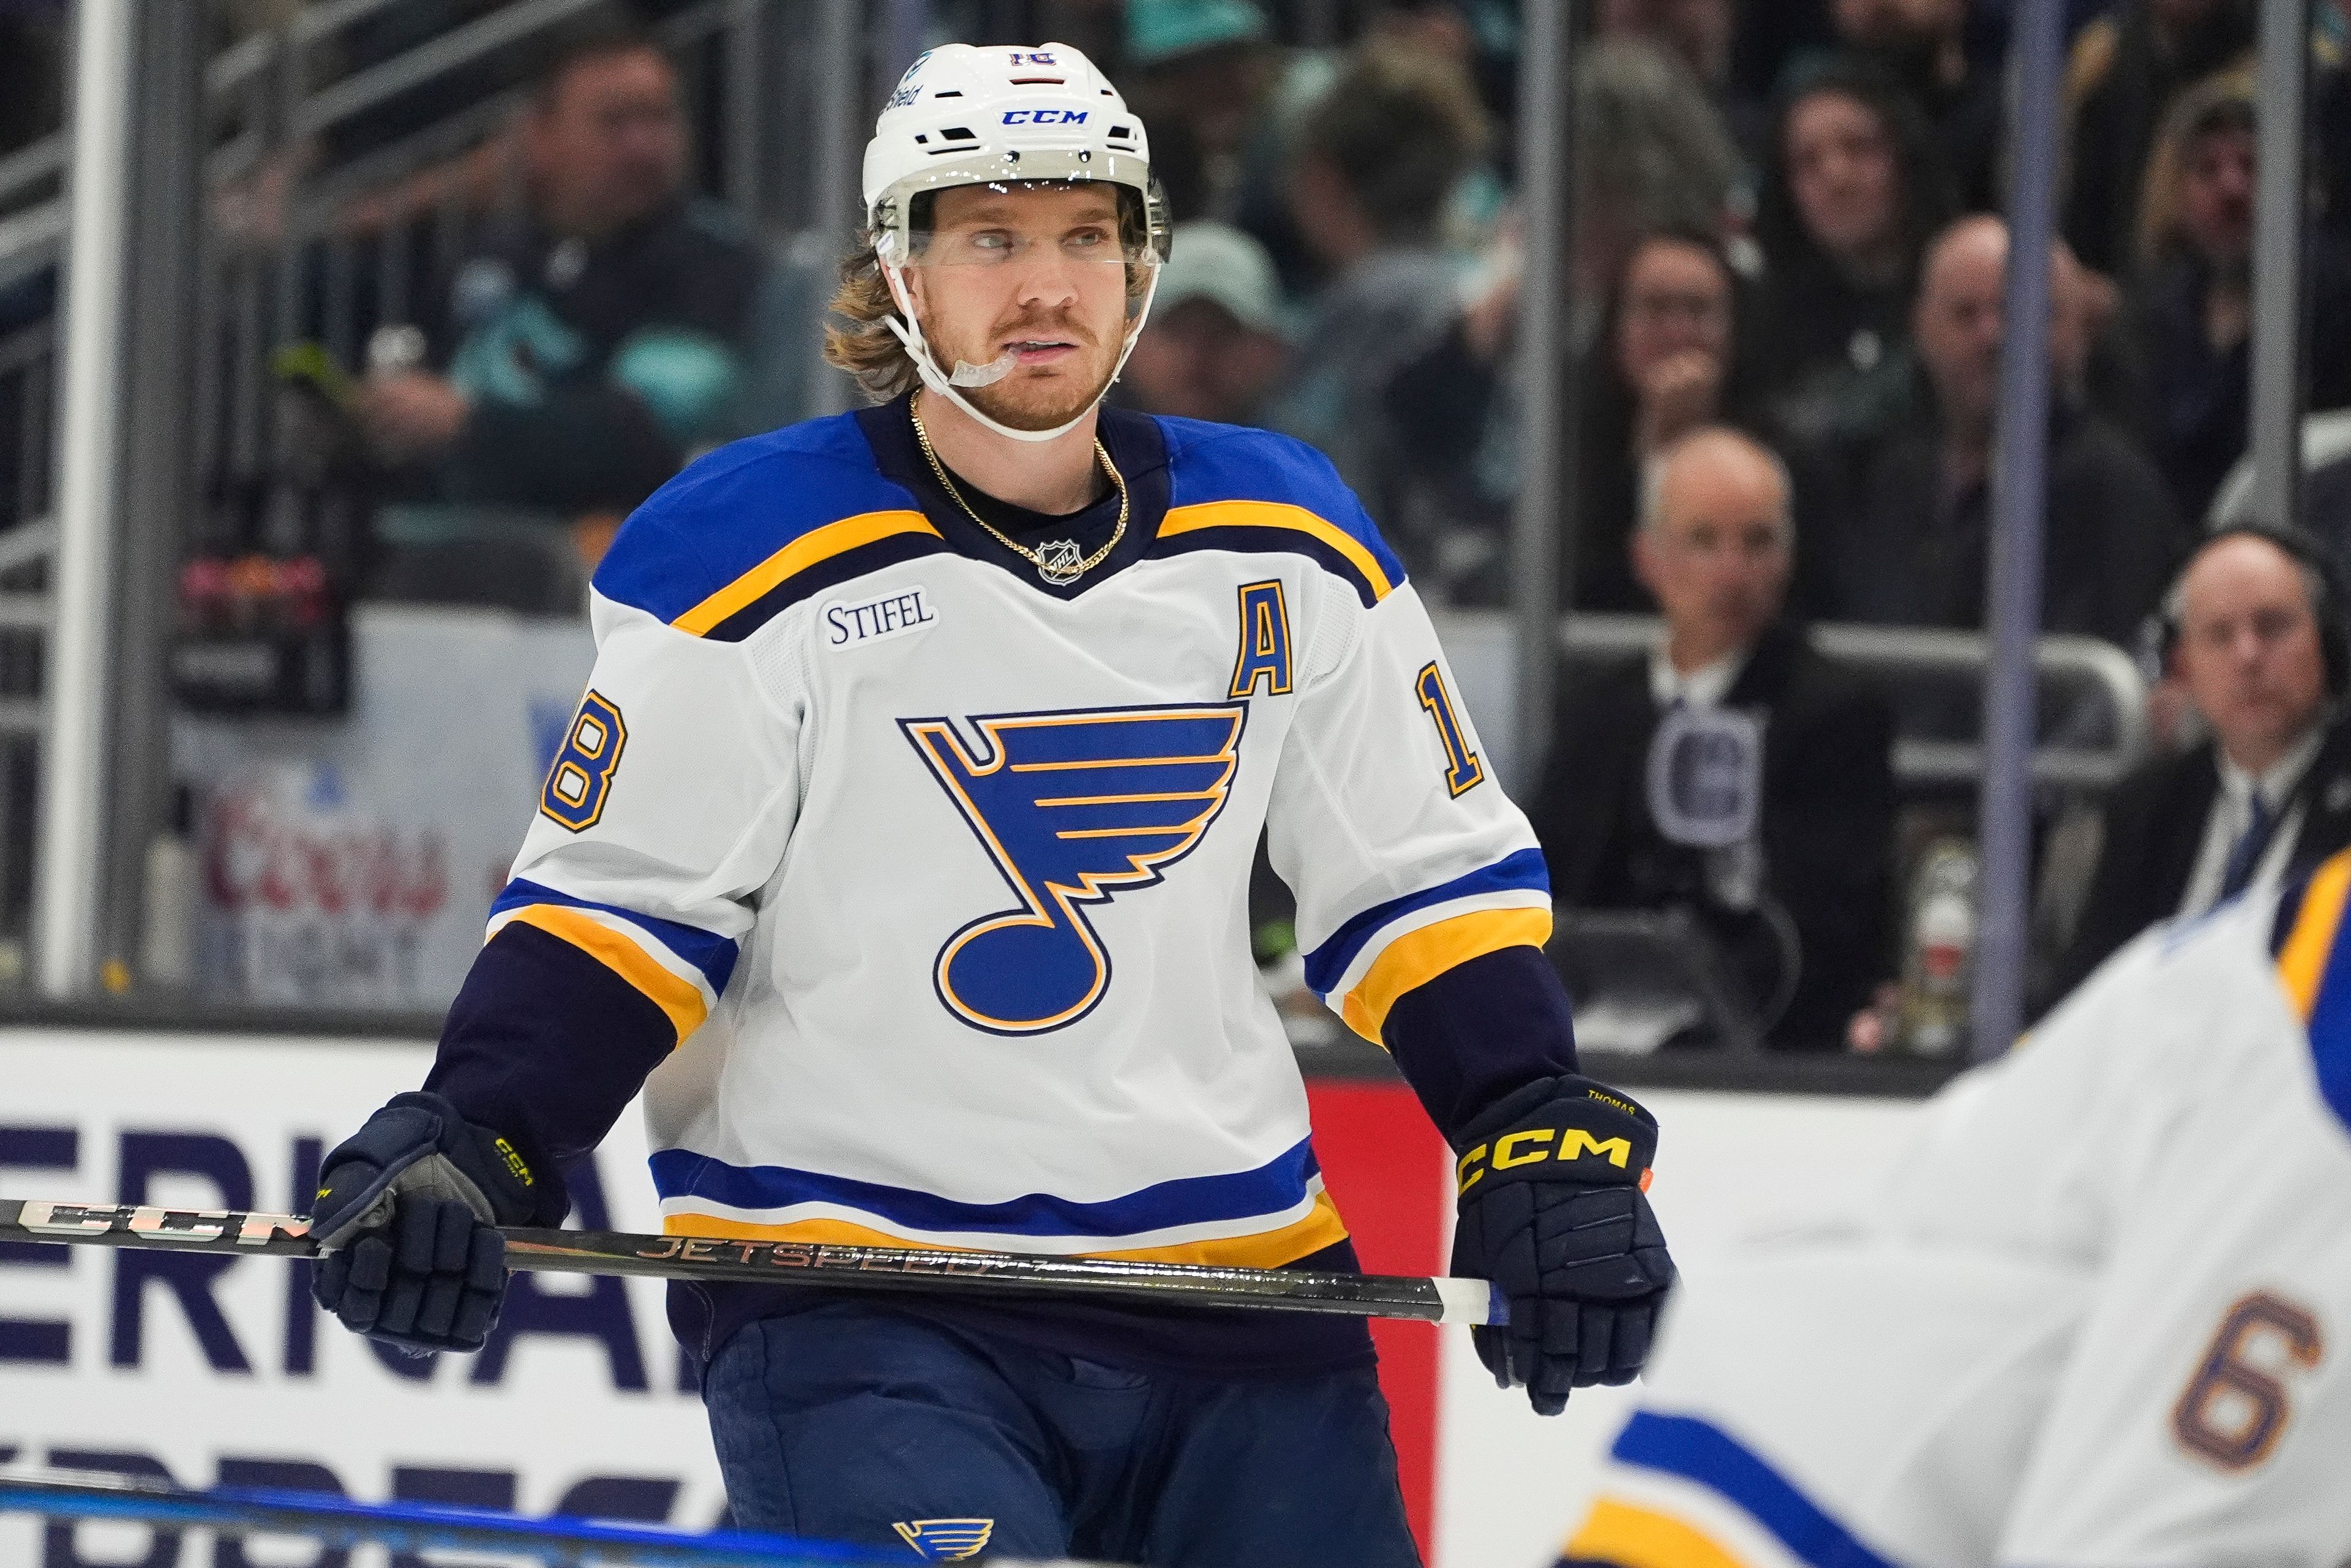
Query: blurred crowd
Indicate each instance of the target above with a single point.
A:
(1785, 315)
(1787, 274)
(1782, 226)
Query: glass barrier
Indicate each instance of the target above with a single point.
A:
(378, 641)
(411, 445)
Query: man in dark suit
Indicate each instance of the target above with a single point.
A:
(2257, 638)
(1802, 903)
(1918, 548)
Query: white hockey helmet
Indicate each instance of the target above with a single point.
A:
(967, 115)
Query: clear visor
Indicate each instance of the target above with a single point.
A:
(989, 244)
(998, 229)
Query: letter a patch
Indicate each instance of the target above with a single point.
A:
(1265, 642)
(1072, 807)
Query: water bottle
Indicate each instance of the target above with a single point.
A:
(1940, 954)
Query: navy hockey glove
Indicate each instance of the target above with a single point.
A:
(1551, 1211)
(408, 1213)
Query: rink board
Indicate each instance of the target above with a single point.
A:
(218, 1370)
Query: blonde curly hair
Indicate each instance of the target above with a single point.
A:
(856, 339)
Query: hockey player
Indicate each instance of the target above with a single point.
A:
(899, 849)
(2097, 1316)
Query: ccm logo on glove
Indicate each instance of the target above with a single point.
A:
(1533, 1145)
(1551, 1209)
(521, 1171)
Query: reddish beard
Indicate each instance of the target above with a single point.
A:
(1038, 404)
(1030, 402)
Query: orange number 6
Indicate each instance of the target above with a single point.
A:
(2232, 1411)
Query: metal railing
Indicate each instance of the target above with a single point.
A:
(32, 237)
(32, 214)
(2094, 698)
(288, 226)
(2093, 730)
(2066, 665)
(333, 250)
(27, 391)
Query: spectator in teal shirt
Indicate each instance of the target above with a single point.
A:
(586, 349)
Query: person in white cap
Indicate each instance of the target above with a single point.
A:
(1215, 346)
(899, 850)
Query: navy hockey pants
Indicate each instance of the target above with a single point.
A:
(856, 1422)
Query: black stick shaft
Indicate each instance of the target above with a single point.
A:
(908, 1269)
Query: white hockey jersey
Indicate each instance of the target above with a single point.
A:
(2101, 1316)
(940, 874)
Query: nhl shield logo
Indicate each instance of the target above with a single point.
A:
(1059, 562)
(946, 1540)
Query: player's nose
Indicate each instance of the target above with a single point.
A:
(1048, 279)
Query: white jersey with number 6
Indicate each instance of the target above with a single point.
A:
(2101, 1315)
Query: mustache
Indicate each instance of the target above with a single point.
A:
(1059, 327)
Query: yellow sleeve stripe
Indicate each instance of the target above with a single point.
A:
(1266, 1249)
(1278, 514)
(810, 548)
(1634, 1537)
(678, 998)
(1418, 956)
(2302, 962)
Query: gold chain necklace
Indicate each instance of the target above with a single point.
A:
(1058, 567)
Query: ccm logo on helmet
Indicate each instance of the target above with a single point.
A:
(1045, 116)
(1534, 1145)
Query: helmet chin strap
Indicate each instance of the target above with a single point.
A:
(902, 325)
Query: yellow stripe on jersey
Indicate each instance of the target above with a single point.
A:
(1418, 956)
(1278, 514)
(816, 546)
(1634, 1537)
(2302, 962)
(1266, 1249)
(677, 997)
(826, 1232)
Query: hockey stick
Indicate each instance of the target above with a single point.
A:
(916, 1269)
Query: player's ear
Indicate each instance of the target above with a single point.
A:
(910, 278)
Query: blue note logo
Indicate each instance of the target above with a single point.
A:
(1072, 808)
(945, 1540)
